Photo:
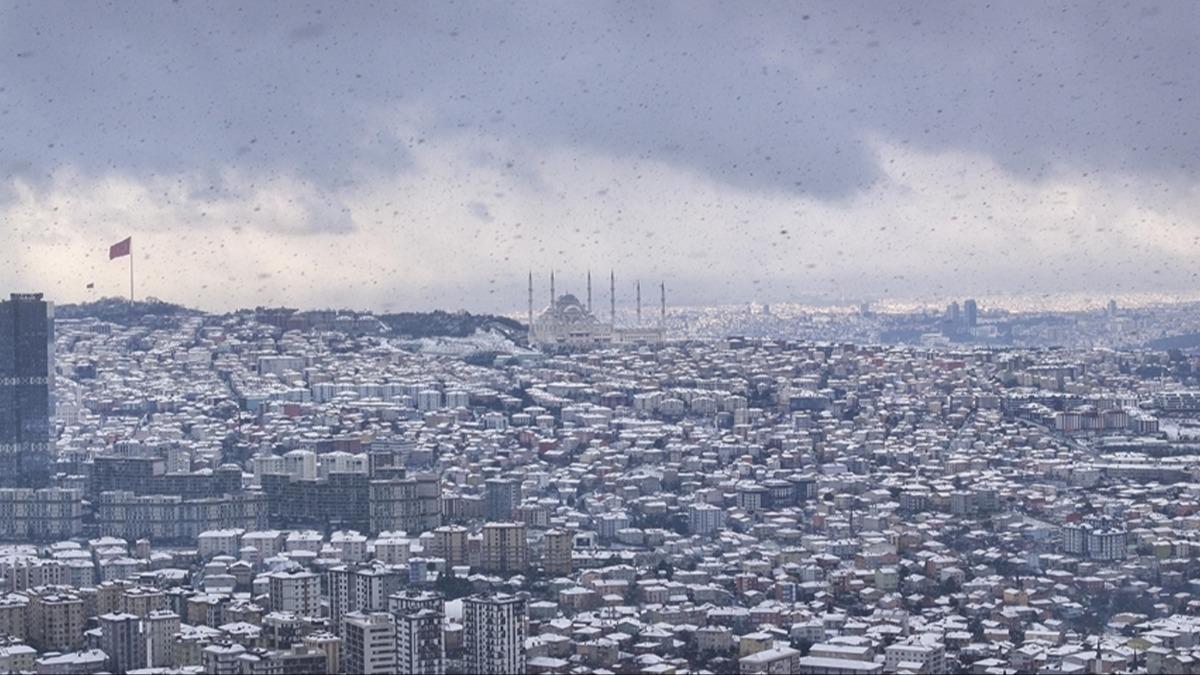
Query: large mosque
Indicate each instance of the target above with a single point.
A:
(568, 324)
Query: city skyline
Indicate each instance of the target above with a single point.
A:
(559, 338)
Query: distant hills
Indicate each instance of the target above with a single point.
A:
(1185, 341)
(447, 324)
(120, 311)
(404, 324)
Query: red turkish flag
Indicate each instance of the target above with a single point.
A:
(123, 247)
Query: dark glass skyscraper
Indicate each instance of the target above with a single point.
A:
(26, 382)
(971, 313)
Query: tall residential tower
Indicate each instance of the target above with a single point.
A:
(494, 630)
(26, 385)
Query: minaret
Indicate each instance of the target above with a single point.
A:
(612, 298)
(551, 289)
(589, 291)
(530, 301)
(662, 318)
(639, 302)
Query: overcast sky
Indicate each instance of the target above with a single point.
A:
(400, 155)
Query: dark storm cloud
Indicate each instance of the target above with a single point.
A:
(779, 97)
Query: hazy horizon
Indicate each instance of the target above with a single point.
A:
(1052, 303)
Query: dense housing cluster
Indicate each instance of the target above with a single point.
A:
(231, 495)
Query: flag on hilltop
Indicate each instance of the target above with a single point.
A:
(121, 248)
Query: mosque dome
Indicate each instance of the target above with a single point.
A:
(567, 310)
